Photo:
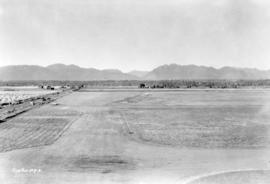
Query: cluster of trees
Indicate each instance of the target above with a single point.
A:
(148, 83)
(204, 84)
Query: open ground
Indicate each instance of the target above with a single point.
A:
(141, 136)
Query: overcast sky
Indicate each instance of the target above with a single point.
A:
(135, 34)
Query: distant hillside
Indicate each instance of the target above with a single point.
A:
(60, 72)
(164, 72)
(174, 71)
(138, 73)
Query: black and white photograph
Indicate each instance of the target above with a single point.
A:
(134, 92)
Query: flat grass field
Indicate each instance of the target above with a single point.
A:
(141, 136)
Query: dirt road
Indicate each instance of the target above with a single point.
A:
(91, 143)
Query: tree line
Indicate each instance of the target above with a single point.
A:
(149, 83)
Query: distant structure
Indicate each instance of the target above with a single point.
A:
(63, 87)
(142, 85)
(47, 87)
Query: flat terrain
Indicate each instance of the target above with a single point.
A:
(141, 136)
(15, 94)
(16, 100)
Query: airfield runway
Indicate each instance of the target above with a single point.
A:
(140, 137)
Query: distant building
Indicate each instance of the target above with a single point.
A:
(142, 85)
(47, 87)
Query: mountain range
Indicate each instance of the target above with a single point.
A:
(164, 72)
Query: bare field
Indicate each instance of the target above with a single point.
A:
(216, 119)
(25, 133)
(141, 137)
(237, 177)
(53, 111)
(36, 128)
(199, 127)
